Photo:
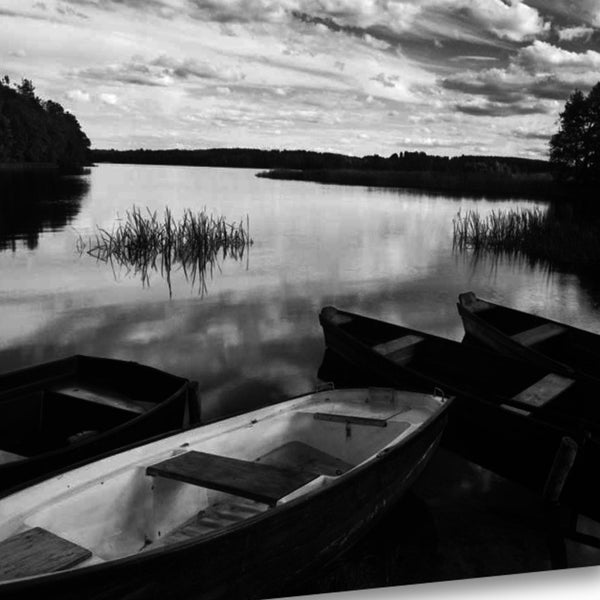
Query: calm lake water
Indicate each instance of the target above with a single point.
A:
(252, 336)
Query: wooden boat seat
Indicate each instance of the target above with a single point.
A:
(538, 334)
(399, 350)
(100, 396)
(248, 479)
(543, 391)
(38, 551)
(301, 456)
(337, 418)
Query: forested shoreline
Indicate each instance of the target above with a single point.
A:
(38, 133)
(307, 160)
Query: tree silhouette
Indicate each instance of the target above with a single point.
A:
(38, 131)
(575, 148)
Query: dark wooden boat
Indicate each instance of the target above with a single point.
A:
(225, 510)
(59, 413)
(535, 339)
(508, 416)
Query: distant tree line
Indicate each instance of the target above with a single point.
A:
(33, 130)
(308, 160)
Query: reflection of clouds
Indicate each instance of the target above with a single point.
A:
(188, 339)
(255, 338)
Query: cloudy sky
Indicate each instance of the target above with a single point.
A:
(353, 76)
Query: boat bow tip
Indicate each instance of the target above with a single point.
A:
(467, 299)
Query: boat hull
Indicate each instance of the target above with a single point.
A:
(476, 330)
(514, 445)
(167, 414)
(576, 353)
(255, 558)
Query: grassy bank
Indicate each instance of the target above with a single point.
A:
(561, 242)
(502, 185)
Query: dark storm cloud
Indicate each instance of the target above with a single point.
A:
(538, 72)
(532, 135)
(435, 37)
(506, 87)
(574, 12)
(332, 25)
(496, 109)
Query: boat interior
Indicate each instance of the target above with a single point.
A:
(202, 481)
(44, 409)
(562, 343)
(42, 420)
(459, 369)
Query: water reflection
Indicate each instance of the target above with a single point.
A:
(142, 243)
(197, 270)
(36, 201)
(255, 338)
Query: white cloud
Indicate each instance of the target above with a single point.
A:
(541, 56)
(78, 96)
(539, 77)
(569, 34)
(512, 20)
(111, 99)
(20, 53)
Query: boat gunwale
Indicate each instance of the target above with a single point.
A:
(135, 419)
(497, 402)
(385, 453)
(521, 312)
(524, 350)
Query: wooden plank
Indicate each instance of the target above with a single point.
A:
(400, 343)
(213, 518)
(516, 410)
(38, 551)
(544, 390)
(538, 334)
(103, 396)
(301, 456)
(350, 419)
(262, 483)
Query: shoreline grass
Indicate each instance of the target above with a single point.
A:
(540, 236)
(145, 243)
(490, 184)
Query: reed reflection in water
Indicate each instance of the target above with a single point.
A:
(144, 243)
(545, 238)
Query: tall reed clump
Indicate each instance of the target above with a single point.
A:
(144, 242)
(540, 236)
